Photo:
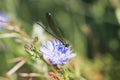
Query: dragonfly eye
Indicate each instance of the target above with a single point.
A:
(64, 43)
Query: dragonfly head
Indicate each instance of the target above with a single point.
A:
(64, 43)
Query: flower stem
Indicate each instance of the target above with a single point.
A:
(53, 68)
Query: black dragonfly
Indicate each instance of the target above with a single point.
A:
(56, 31)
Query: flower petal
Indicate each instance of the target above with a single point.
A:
(56, 52)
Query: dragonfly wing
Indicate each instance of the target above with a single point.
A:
(56, 30)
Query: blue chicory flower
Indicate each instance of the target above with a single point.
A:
(3, 19)
(56, 52)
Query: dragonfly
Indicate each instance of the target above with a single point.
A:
(56, 31)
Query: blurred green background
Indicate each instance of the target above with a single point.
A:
(92, 27)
